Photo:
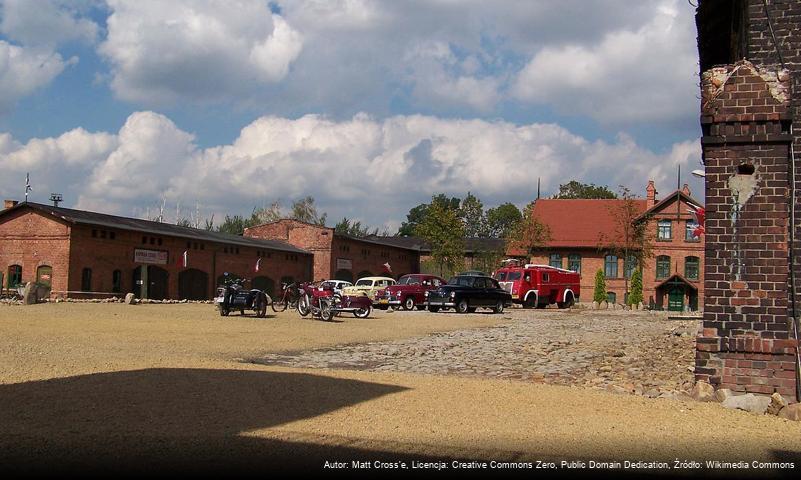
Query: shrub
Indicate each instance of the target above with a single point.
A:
(599, 295)
(635, 295)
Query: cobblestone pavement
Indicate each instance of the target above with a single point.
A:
(625, 352)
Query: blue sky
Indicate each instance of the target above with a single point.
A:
(370, 106)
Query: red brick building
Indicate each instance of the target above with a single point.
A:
(582, 232)
(341, 257)
(750, 65)
(88, 254)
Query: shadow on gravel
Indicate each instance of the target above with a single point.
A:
(156, 420)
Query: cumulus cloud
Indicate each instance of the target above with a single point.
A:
(364, 168)
(203, 51)
(24, 70)
(45, 22)
(630, 76)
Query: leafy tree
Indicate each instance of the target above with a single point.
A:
(233, 225)
(635, 297)
(630, 238)
(443, 230)
(354, 228)
(304, 210)
(472, 212)
(417, 214)
(574, 189)
(209, 223)
(263, 215)
(502, 220)
(184, 222)
(530, 233)
(599, 294)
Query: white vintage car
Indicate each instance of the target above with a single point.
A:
(369, 287)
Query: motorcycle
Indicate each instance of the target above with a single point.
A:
(290, 294)
(232, 295)
(323, 302)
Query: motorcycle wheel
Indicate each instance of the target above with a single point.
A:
(363, 312)
(279, 306)
(326, 313)
(303, 306)
(261, 308)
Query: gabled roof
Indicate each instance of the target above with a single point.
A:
(676, 279)
(83, 217)
(665, 201)
(580, 223)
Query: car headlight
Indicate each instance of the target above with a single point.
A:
(453, 294)
(425, 294)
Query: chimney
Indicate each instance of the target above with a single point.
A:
(686, 190)
(650, 195)
(9, 204)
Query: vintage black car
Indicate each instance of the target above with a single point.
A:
(465, 293)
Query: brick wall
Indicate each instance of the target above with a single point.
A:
(31, 240)
(745, 344)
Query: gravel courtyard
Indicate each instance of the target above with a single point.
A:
(149, 388)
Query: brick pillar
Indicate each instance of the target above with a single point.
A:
(746, 343)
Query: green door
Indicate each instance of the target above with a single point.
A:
(676, 300)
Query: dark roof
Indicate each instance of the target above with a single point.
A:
(83, 217)
(417, 243)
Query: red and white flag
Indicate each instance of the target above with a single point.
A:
(258, 265)
(184, 260)
(387, 267)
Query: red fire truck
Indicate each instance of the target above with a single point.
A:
(539, 285)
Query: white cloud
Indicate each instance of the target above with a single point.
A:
(24, 70)
(630, 76)
(374, 170)
(45, 22)
(202, 51)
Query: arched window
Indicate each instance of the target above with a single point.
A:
(662, 266)
(14, 276)
(556, 260)
(116, 281)
(691, 267)
(574, 262)
(86, 280)
(44, 275)
(610, 266)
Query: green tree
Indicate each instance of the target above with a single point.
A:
(599, 294)
(574, 189)
(354, 228)
(233, 225)
(262, 215)
(418, 214)
(209, 223)
(530, 233)
(444, 231)
(635, 297)
(502, 220)
(472, 212)
(304, 210)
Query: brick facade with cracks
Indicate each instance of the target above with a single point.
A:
(748, 108)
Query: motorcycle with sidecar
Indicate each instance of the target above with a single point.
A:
(232, 295)
(320, 300)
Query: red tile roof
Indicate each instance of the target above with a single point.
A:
(580, 223)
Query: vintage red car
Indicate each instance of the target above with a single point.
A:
(540, 285)
(410, 291)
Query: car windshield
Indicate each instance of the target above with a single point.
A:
(500, 276)
(364, 283)
(409, 280)
(461, 281)
(513, 276)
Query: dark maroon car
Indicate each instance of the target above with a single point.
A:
(410, 291)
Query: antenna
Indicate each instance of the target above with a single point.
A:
(55, 198)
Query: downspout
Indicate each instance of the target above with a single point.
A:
(793, 310)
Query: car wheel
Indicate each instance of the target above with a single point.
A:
(433, 309)
(363, 312)
(498, 308)
(567, 303)
(408, 304)
(530, 302)
(462, 307)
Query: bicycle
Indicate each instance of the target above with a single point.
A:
(290, 295)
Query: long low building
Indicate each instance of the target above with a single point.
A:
(94, 255)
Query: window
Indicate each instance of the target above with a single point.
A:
(611, 297)
(662, 266)
(610, 266)
(689, 227)
(574, 262)
(691, 267)
(556, 260)
(116, 281)
(86, 280)
(14, 276)
(44, 275)
(629, 265)
(664, 230)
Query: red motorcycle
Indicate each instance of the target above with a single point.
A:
(321, 301)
